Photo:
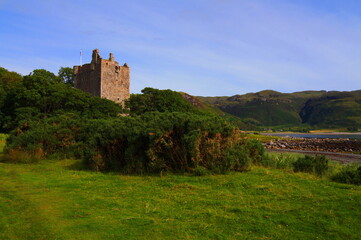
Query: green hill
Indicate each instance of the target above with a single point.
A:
(268, 107)
(334, 109)
(314, 108)
(207, 107)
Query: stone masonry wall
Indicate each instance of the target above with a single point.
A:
(103, 78)
(115, 81)
(87, 78)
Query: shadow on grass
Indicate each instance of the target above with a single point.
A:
(78, 165)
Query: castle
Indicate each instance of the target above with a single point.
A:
(103, 78)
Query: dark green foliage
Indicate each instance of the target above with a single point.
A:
(43, 94)
(176, 142)
(320, 164)
(256, 151)
(9, 79)
(59, 136)
(150, 143)
(67, 76)
(349, 175)
(2, 101)
(309, 164)
(155, 100)
(200, 171)
(304, 164)
(238, 158)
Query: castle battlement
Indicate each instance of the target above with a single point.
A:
(103, 78)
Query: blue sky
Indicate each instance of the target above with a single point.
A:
(202, 47)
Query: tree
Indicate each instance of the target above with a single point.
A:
(9, 79)
(45, 75)
(155, 100)
(42, 94)
(67, 76)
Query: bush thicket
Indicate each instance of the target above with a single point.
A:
(317, 164)
(152, 142)
(59, 136)
(155, 100)
(176, 142)
(349, 174)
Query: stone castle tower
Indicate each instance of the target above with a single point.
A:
(103, 78)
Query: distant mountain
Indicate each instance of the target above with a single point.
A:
(209, 108)
(334, 109)
(316, 108)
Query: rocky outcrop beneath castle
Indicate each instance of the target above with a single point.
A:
(316, 144)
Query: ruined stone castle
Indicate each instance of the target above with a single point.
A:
(103, 78)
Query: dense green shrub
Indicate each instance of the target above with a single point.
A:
(317, 164)
(304, 164)
(155, 100)
(349, 174)
(320, 164)
(239, 158)
(256, 151)
(57, 136)
(152, 142)
(176, 142)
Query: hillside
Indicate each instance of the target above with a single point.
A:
(315, 108)
(334, 109)
(209, 108)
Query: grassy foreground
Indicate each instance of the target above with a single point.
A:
(56, 200)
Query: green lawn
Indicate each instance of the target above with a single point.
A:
(54, 200)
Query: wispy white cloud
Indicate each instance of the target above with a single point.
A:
(202, 47)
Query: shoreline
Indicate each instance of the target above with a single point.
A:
(311, 133)
(335, 156)
(343, 150)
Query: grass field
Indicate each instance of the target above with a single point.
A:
(261, 138)
(57, 200)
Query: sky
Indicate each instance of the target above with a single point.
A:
(202, 47)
